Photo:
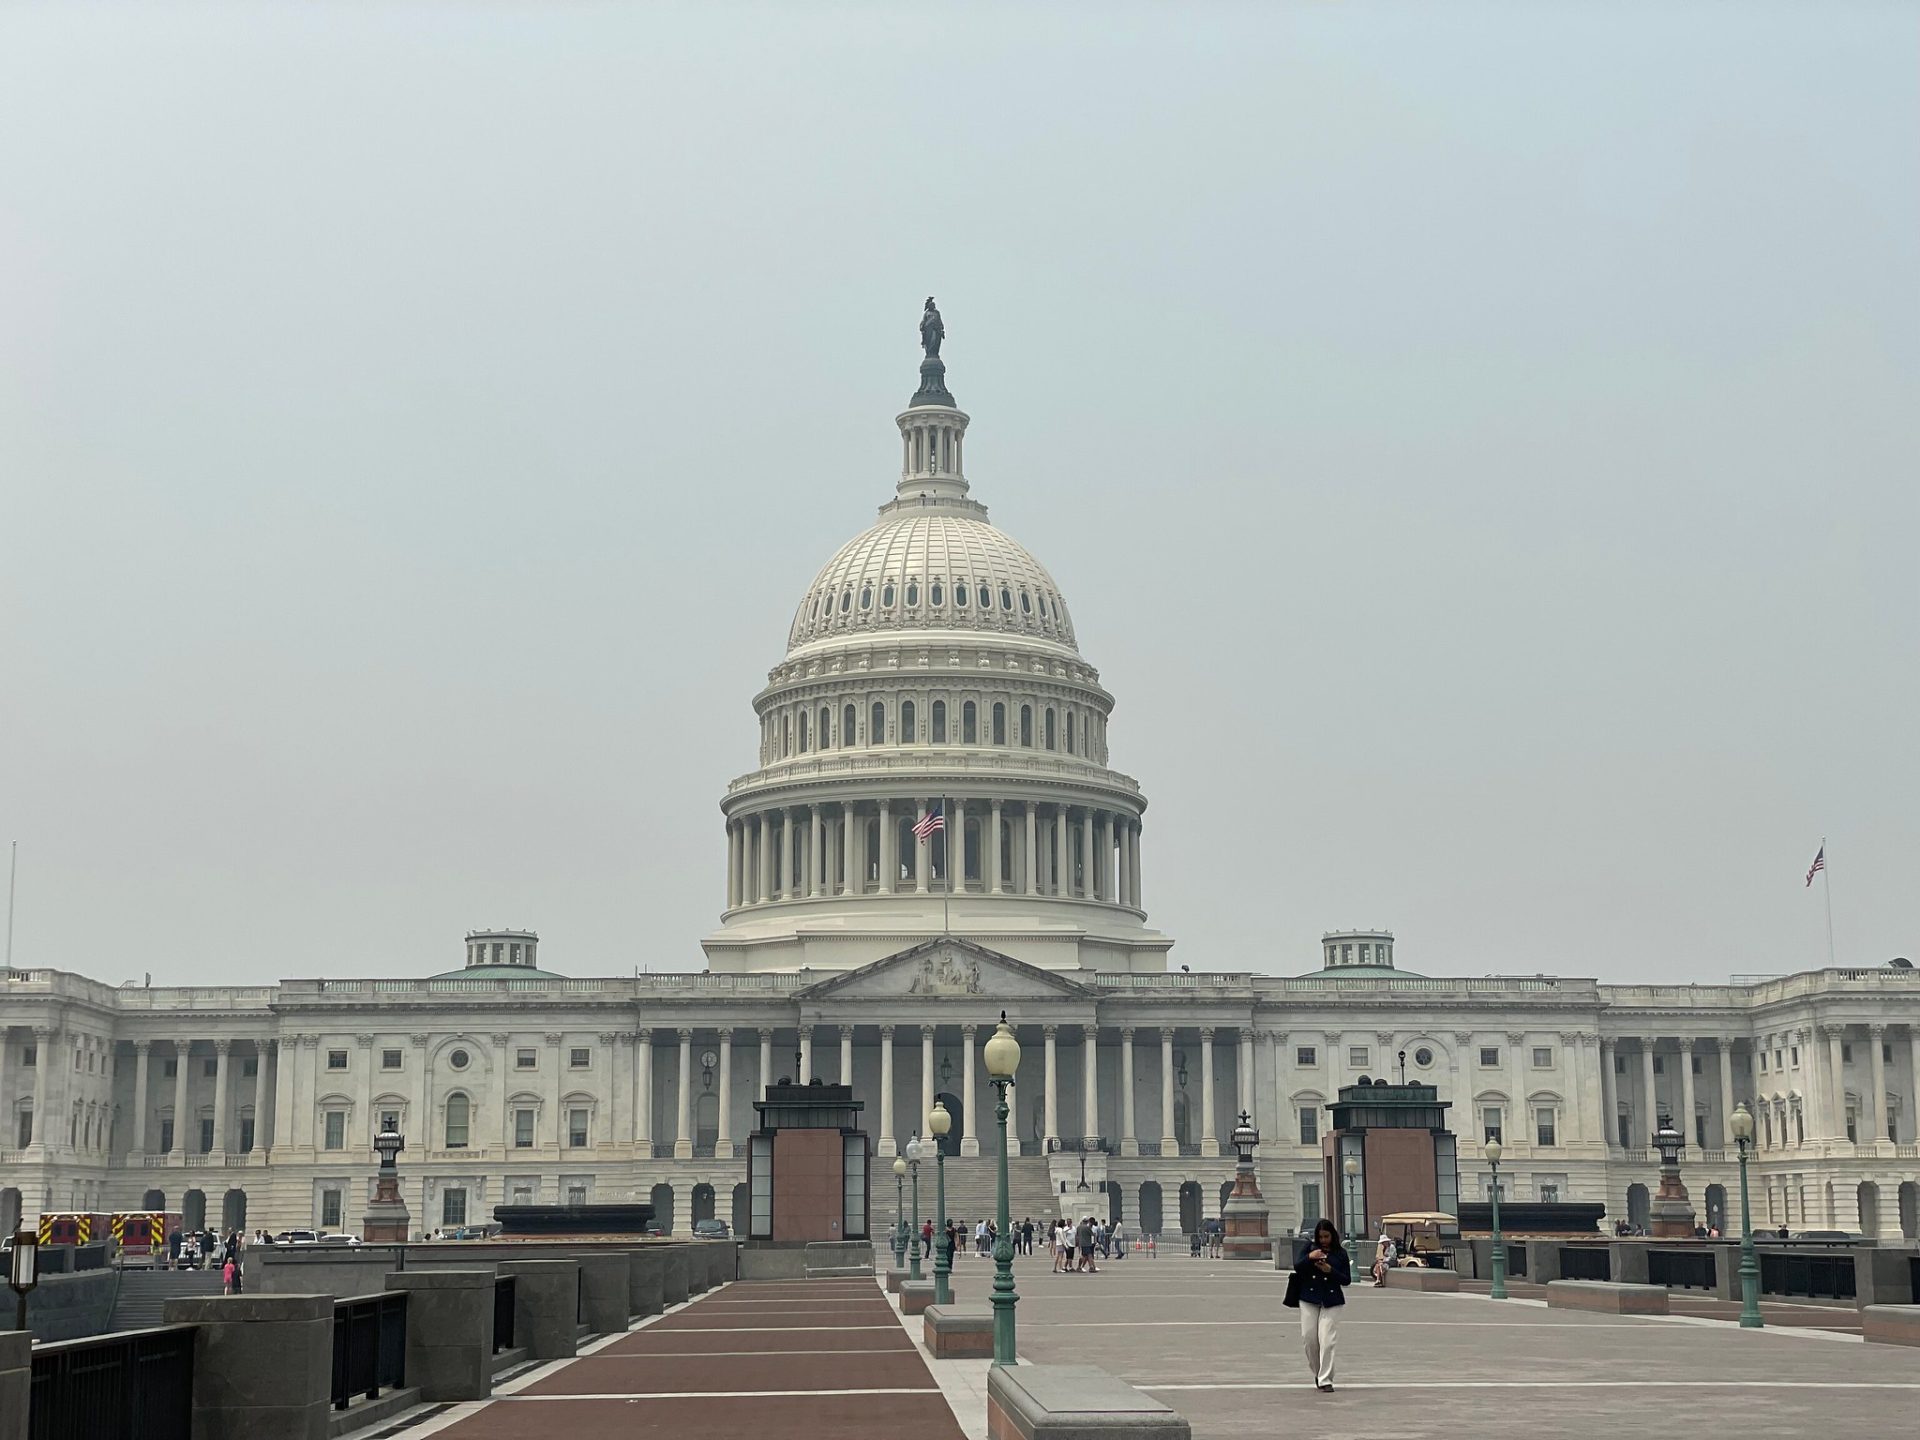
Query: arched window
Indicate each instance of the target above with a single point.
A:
(877, 724)
(886, 596)
(909, 732)
(1006, 598)
(960, 593)
(823, 735)
(1026, 603)
(786, 735)
(1070, 732)
(969, 724)
(847, 726)
(938, 596)
(999, 723)
(913, 593)
(939, 722)
(1050, 735)
(1026, 726)
(866, 597)
(459, 1114)
(803, 732)
(846, 601)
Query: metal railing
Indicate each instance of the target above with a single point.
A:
(137, 1385)
(502, 1313)
(1688, 1269)
(1585, 1262)
(1825, 1277)
(369, 1346)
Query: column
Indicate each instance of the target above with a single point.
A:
(1062, 861)
(926, 1080)
(1683, 1122)
(140, 1054)
(1030, 854)
(849, 872)
(1244, 1065)
(1134, 857)
(789, 881)
(1649, 1117)
(888, 866)
(733, 865)
(556, 1047)
(1609, 1099)
(922, 862)
(262, 1054)
(723, 1138)
(1169, 1142)
(1876, 1036)
(182, 1062)
(763, 877)
(993, 865)
(1836, 1081)
(805, 1033)
(1726, 1092)
(1209, 1142)
(766, 1060)
(1106, 857)
(1276, 1039)
(1122, 889)
(888, 1145)
(969, 1141)
(683, 1109)
(285, 1071)
(1913, 1059)
(1088, 865)
(643, 1095)
(816, 852)
(1518, 1130)
(1129, 1136)
(846, 1055)
(957, 848)
(1053, 1086)
(1090, 1079)
(222, 1048)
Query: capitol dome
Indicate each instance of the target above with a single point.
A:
(933, 568)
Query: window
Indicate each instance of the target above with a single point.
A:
(960, 593)
(1357, 1056)
(1423, 1057)
(329, 1209)
(1006, 598)
(1763, 1062)
(913, 593)
(577, 1129)
(1070, 732)
(1026, 603)
(1026, 726)
(803, 750)
(336, 1059)
(23, 1132)
(1542, 1057)
(1886, 1054)
(246, 1134)
(206, 1135)
(866, 597)
(1776, 1060)
(1699, 1069)
(1306, 1057)
(525, 1060)
(579, 1058)
(1619, 1064)
(877, 724)
(939, 736)
(250, 1067)
(909, 723)
(1490, 1123)
(389, 1059)
(459, 1059)
(1049, 729)
(846, 601)
(848, 723)
(1794, 1052)
(453, 1207)
(1310, 1199)
(1846, 1054)
(1626, 1131)
(1549, 1192)
(166, 1134)
(1659, 1064)
(1489, 1056)
(1309, 1125)
(30, 1057)
(999, 723)
(1543, 1125)
(576, 1194)
(336, 1131)
(1700, 1131)
(937, 594)
(390, 1120)
(969, 724)
(886, 596)
(458, 1112)
(523, 1129)
(1853, 1124)
(209, 1069)
(169, 1068)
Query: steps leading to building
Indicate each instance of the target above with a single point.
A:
(142, 1301)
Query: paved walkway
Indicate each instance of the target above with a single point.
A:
(750, 1361)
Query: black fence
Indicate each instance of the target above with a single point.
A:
(1688, 1269)
(133, 1386)
(1517, 1261)
(502, 1313)
(369, 1346)
(1585, 1262)
(1818, 1277)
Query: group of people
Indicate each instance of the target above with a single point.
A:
(1074, 1244)
(193, 1249)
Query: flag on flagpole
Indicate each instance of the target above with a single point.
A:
(1819, 864)
(933, 820)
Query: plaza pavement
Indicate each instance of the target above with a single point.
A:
(1211, 1339)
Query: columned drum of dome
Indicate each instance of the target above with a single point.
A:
(932, 667)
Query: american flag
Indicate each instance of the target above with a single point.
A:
(1819, 864)
(931, 821)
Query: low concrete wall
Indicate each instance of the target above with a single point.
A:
(646, 1272)
(262, 1365)
(771, 1262)
(1419, 1277)
(605, 1281)
(449, 1331)
(1892, 1324)
(69, 1307)
(1882, 1275)
(958, 1332)
(546, 1298)
(1074, 1402)
(1607, 1297)
(16, 1383)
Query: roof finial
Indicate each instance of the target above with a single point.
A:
(933, 371)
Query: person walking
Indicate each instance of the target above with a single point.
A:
(1315, 1288)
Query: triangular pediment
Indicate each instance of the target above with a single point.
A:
(946, 967)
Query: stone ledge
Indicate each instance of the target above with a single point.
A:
(1074, 1402)
(1420, 1277)
(915, 1297)
(958, 1332)
(895, 1279)
(1891, 1324)
(1607, 1297)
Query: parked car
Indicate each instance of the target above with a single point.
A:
(294, 1237)
(1845, 1235)
(336, 1240)
(711, 1230)
(654, 1227)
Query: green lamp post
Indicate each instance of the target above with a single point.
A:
(1003, 1058)
(899, 1213)
(1499, 1290)
(913, 1168)
(1749, 1265)
(938, 1123)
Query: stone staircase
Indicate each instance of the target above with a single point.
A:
(971, 1189)
(142, 1300)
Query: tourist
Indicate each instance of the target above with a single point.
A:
(1083, 1241)
(1781, 1233)
(1384, 1261)
(1314, 1288)
(1119, 1241)
(1194, 1242)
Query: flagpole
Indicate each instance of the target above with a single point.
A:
(13, 868)
(1826, 889)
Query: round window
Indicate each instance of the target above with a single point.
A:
(913, 592)
(938, 597)
(458, 1059)
(1423, 1057)
(886, 595)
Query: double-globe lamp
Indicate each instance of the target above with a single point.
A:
(1003, 1059)
(939, 1122)
(899, 1213)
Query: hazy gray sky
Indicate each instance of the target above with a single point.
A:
(1478, 444)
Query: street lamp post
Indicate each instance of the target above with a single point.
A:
(1350, 1168)
(938, 1123)
(899, 1213)
(1003, 1059)
(1499, 1290)
(23, 1270)
(913, 1168)
(1749, 1265)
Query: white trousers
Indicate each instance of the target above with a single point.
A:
(1319, 1327)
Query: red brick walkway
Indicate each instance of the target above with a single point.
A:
(751, 1361)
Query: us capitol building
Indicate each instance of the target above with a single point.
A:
(931, 667)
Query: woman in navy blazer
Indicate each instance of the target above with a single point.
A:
(1318, 1280)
